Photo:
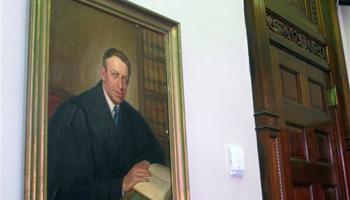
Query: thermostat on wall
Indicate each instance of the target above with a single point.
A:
(236, 160)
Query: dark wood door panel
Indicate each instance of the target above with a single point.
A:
(303, 192)
(297, 143)
(300, 83)
(305, 172)
(300, 64)
(317, 95)
(315, 192)
(308, 139)
(298, 114)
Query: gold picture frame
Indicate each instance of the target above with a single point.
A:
(38, 90)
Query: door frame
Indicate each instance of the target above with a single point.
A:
(267, 116)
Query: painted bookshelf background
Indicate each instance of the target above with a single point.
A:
(155, 93)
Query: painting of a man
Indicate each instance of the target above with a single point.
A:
(99, 146)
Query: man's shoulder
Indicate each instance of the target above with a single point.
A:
(76, 108)
(69, 105)
(131, 112)
(128, 108)
(73, 104)
(93, 98)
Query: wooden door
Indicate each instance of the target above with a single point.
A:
(308, 140)
(301, 134)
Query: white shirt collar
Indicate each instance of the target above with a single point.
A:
(109, 102)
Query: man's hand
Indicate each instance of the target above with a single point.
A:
(138, 173)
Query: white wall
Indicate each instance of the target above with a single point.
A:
(14, 29)
(344, 16)
(218, 97)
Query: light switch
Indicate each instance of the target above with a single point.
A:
(236, 160)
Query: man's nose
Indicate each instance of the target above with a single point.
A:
(119, 83)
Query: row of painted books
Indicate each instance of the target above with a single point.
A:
(154, 76)
(153, 44)
(156, 113)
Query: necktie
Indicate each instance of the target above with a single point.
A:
(115, 139)
(116, 116)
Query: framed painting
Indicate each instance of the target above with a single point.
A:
(74, 48)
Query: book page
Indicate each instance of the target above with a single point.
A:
(160, 171)
(159, 186)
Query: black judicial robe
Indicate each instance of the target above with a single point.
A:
(87, 155)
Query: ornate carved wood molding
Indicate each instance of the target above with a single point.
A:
(294, 34)
(313, 11)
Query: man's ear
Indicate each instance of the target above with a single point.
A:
(103, 73)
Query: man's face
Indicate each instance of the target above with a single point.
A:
(115, 77)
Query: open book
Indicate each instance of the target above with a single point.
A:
(158, 187)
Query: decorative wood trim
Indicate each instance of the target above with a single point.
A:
(313, 12)
(292, 33)
(274, 134)
(133, 13)
(267, 120)
(35, 148)
(264, 112)
(265, 105)
(320, 65)
(340, 79)
(181, 190)
(258, 45)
